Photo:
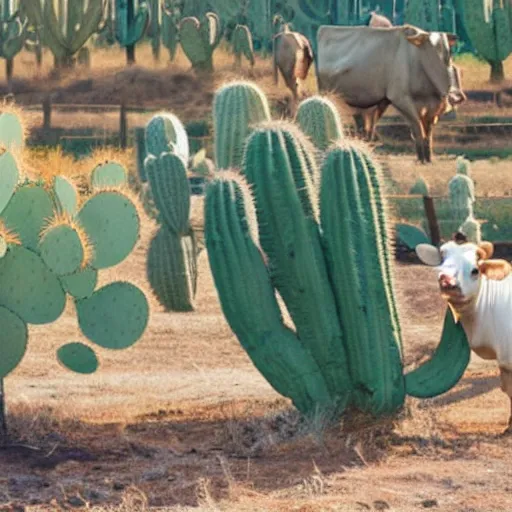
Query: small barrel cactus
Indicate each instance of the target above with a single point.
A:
(326, 250)
(237, 107)
(319, 119)
(420, 187)
(242, 45)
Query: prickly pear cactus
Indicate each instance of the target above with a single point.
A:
(237, 107)
(12, 131)
(325, 248)
(172, 257)
(319, 119)
(49, 248)
(242, 45)
(199, 39)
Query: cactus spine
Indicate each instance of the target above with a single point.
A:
(132, 20)
(237, 107)
(172, 258)
(326, 247)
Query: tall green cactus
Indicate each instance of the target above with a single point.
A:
(13, 33)
(50, 248)
(172, 257)
(132, 20)
(66, 28)
(199, 39)
(490, 32)
(237, 107)
(154, 28)
(423, 14)
(170, 29)
(326, 250)
(461, 190)
(319, 119)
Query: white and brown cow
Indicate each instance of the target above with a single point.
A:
(478, 290)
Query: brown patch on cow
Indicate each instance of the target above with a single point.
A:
(485, 352)
(485, 250)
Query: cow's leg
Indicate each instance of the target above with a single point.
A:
(376, 116)
(408, 110)
(428, 125)
(506, 387)
(359, 120)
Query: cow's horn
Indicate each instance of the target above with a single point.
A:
(429, 254)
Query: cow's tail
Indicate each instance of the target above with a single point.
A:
(303, 60)
(274, 58)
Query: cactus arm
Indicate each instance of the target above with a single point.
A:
(289, 235)
(78, 358)
(446, 366)
(249, 304)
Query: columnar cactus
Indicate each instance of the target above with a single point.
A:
(462, 197)
(132, 20)
(154, 27)
(172, 258)
(170, 29)
(13, 33)
(319, 119)
(66, 28)
(199, 39)
(237, 107)
(423, 14)
(242, 45)
(326, 255)
(49, 248)
(489, 27)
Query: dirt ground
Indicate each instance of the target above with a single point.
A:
(183, 421)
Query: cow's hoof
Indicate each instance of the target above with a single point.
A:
(507, 432)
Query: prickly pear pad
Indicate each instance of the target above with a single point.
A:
(3, 246)
(109, 174)
(114, 316)
(62, 250)
(66, 195)
(9, 176)
(80, 284)
(27, 213)
(111, 222)
(12, 134)
(29, 288)
(78, 358)
(13, 340)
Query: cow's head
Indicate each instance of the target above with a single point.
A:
(461, 266)
(448, 74)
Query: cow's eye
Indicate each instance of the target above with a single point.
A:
(475, 272)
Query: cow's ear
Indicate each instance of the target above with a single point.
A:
(415, 36)
(485, 250)
(429, 254)
(495, 269)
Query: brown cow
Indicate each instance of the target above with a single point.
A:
(292, 55)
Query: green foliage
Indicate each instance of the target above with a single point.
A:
(237, 107)
(47, 254)
(199, 39)
(319, 119)
(325, 246)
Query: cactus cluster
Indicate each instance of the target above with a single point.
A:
(172, 257)
(199, 38)
(324, 249)
(50, 248)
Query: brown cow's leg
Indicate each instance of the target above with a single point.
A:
(408, 110)
(506, 387)
(379, 112)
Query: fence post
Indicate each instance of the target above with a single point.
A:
(123, 126)
(433, 225)
(47, 112)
